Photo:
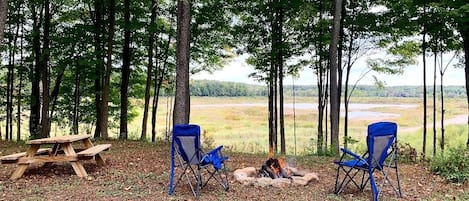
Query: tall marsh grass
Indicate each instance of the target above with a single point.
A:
(244, 127)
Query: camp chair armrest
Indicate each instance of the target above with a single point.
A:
(216, 150)
(346, 151)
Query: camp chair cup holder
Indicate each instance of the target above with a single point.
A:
(190, 163)
(380, 158)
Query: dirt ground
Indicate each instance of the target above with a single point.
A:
(140, 171)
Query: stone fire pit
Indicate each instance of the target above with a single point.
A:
(250, 176)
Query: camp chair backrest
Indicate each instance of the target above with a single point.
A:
(187, 138)
(380, 137)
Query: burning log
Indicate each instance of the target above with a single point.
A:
(274, 167)
(274, 172)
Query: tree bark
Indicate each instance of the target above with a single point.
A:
(3, 17)
(107, 74)
(182, 97)
(434, 103)
(9, 90)
(20, 88)
(159, 75)
(442, 104)
(334, 101)
(322, 92)
(347, 94)
(280, 18)
(465, 36)
(35, 101)
(151, 41)
(55, 91)
(45, 130)
(271, 116)
(76, 104)
(98, 6)
(340, 50)
(424, 47)
(125, 73)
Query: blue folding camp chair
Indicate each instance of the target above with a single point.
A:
(380, 157)
(190, 162)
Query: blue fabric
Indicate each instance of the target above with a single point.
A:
(354, 163)
(182, 130)
(375, 130)
(350, 153)
(213, 157)
(186, 130)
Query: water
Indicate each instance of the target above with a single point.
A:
(356, 110)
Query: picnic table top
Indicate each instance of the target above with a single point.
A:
(58, 139)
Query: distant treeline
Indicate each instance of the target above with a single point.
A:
(220, 88)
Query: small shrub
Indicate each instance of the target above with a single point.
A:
(207, 140)
(453, 165)
(349, 140)
(407, 153)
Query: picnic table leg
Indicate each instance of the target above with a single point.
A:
(77, 166)
(22, 167)
(55, 149)
(53, 152)
(99, 160)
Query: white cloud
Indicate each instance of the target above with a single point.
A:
(238, 71)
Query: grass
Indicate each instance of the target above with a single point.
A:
(244, 128)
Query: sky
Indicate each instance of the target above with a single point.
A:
(238, 70)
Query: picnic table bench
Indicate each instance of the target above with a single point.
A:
(61, 151)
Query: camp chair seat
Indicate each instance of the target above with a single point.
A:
(381, 156)
(188, 160)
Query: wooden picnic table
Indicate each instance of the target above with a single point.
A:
(61, 151)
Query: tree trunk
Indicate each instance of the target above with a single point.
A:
(156, 89)
(442, 143)
(18, 113)
(107, 74)
(318, 65)
(125, 72)
(347, 94)
(35, 106)
(55, 92)
(273, 76)
(333, 50)
(11, 79)
(280, 52)
(3, 17)
(20, 88)
(76, 103)
(326, 111)
(159, 76)
(434, 104)
(98, 6)
(182, 97)
(9, 91)
(340, 47)
(424, 47)
(45, 72)
(9, 104)
(151, 41)
(321, 98)
(465, 37)
(271, 115)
